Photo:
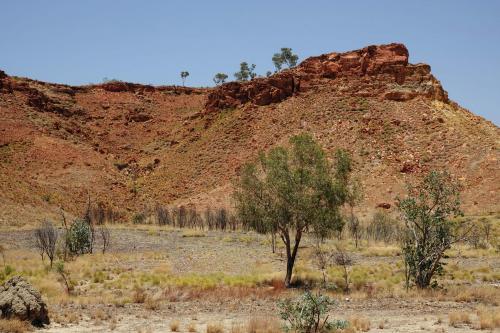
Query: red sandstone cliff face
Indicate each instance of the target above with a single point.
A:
(374, 71)
(134, 146)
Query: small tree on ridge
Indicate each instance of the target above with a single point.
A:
(285, 57)
(184, 75)
(219, 78)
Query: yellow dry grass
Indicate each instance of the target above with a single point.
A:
(458, 318)
(359, 323)
(14, 326)
(174, 325)
(214, 328)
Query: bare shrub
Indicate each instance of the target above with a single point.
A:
(383, 228)
(163, 216)
(355, 229)
(105, 234)
(221, 219)
(323, 259)
(181, 216)
(63, 274)
(209, 218)
(46, 239)
(344, 260)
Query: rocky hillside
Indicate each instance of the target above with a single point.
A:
(133, 146)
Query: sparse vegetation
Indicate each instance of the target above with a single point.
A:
(219, 78)
(285, 57)
(246, 72)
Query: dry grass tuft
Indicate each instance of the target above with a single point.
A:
(359, 323)
(483, 294)
(174, 325)
(191, 327)
(214, 328)
(263, 325)
(72, 318)
(488, 318)
(14, 326)
(152, 303)
(139, 295)
(458, 318)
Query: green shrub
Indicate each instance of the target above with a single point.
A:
(79, 238)
(138, 218)
(308, 314)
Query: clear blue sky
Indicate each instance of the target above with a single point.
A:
(79, 42)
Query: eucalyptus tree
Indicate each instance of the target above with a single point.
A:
(291, 191)
(429, 230)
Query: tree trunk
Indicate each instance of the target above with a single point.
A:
(289, 270)
(290, 257)
(273, 242)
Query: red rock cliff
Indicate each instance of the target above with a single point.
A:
(381, 71)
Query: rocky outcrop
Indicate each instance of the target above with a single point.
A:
(375, 71)
(260, 91)
(122, 86)
(18, 299)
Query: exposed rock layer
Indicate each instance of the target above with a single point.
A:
(381, 71)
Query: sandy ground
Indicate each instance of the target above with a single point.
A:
(236, 253)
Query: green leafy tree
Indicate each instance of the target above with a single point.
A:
(285, 57)
(429, 231)
(292, 191)
(246, 72)
(219, 78)
(184, 75)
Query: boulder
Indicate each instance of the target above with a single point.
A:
(18, 299)
(384, 205)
